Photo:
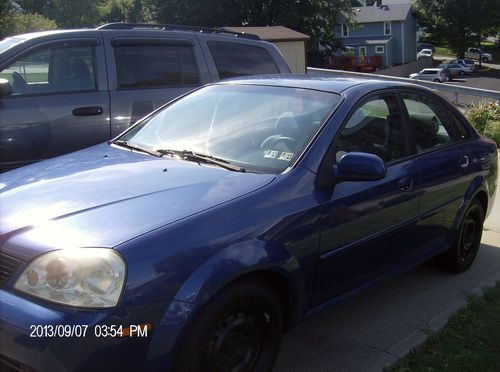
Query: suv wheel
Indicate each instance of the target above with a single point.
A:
(461, 73)
(240, 329)
(485, 59)
(437, 80)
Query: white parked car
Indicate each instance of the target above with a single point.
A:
(424, 53)
(432, 74)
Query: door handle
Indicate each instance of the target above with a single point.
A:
(88, 111)
(405, 184)
(464, 161)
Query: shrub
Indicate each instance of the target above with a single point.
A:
(485, 116)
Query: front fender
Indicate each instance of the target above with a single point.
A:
(242, 259)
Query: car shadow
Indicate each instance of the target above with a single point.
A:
(361, 330)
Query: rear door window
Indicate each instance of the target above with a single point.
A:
(155, 66)
(429, 120)
(232, 59)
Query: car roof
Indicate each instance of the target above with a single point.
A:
(33, 35)
(316, 82)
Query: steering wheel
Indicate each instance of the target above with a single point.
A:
(272, 141)
(19, 84)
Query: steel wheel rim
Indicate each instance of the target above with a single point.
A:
(469, 238)
(236, 344)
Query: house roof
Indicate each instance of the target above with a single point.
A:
(272, 33)
(392, 12)
(358, 41)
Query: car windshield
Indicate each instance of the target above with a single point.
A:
(7, 43)
(262, 129)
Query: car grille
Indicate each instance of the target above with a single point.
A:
(7, 266)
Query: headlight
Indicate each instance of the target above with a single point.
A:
(83, 277)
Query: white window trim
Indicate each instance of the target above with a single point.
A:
(342, 30)
(390, 28)
(377, 51)
(363, 47)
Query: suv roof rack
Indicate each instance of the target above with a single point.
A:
(168, 27)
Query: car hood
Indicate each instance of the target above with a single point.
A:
(103, 196)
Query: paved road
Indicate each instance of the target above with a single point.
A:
(485, 80)
(367, 332)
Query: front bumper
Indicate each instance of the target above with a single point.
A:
(26, 340)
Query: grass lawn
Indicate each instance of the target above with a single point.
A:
(444, 51)
(34, 77)
(470, 341)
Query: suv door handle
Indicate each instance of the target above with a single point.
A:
(464, 161)
(405, 184)
(88, 111)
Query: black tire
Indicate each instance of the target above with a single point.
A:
(240, 329)
(462, 254)
(437, 80)
(461, 73)
(485, 59)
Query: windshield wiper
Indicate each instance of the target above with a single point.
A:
(131, 146)
(197, 157)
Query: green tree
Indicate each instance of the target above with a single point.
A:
(76, 13)
(455, 22)
(317, 18)
(134, 11)
(21, 23)
(13, 21)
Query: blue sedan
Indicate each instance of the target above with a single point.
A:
(193, 240)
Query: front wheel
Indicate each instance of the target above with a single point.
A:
(485, 59)
(462, 254)
(240, 329)
(461, 73)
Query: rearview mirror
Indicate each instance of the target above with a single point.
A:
(359, 166)
(5, 88)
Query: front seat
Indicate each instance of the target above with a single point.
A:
(79, 76)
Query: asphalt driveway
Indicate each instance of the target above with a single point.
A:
(485, 80)
(374, 329)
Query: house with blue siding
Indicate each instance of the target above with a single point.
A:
(388, 30)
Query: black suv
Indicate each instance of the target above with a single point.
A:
(69, 89)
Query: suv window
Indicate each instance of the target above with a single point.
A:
(52, 70)
(233, 59)
(429, 121)
(155, 66)
(375, 127)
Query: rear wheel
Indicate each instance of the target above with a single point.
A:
(437, 80)
(461, 73)
(238, 330)
(462, 254)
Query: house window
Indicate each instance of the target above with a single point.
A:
(387, 28)
(379, 49)
(345, 31)
(362, 51)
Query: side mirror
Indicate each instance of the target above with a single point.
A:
(359, 166)
(5, 88)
